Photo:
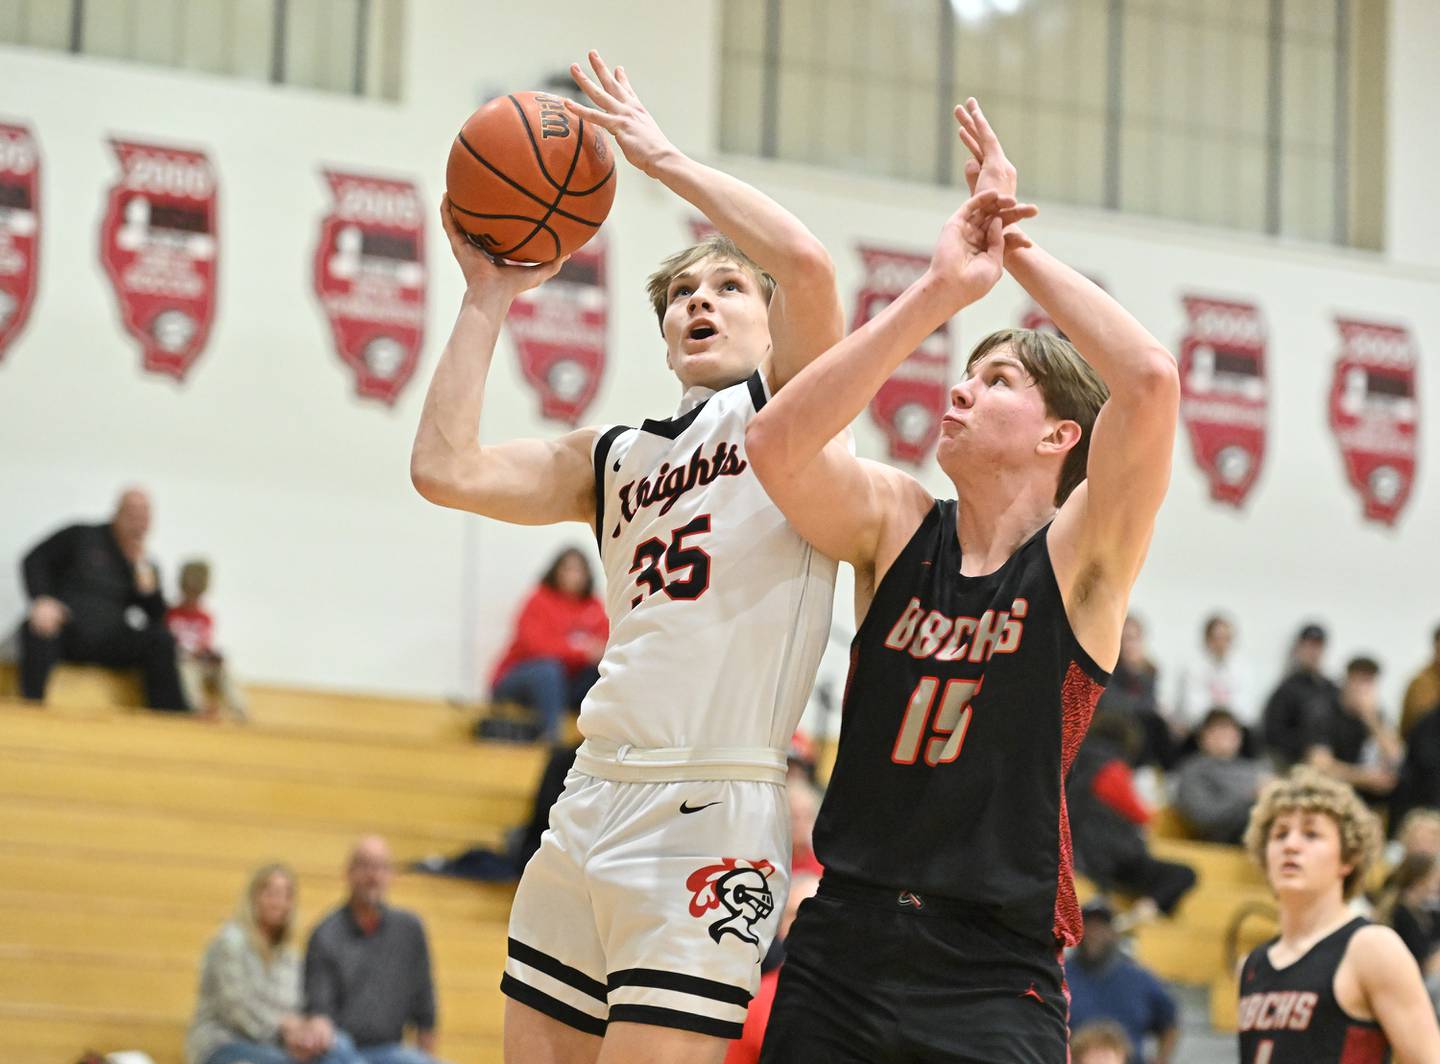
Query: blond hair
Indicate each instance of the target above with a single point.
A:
(1305, 790)
(1099, 1034)
(714, 246)
(1416, 818)
(245, 912)
(1071, 388)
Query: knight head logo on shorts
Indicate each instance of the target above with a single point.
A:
(741, 889)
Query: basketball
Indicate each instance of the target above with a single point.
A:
(529, 181)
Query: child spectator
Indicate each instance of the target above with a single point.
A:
(559, 637)
(207, 682)
(1216, 786)
(1100, 1042)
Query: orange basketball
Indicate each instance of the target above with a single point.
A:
(528, 181)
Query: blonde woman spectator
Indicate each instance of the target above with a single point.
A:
(249, 1006)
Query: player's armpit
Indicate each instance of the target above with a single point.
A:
(524, 482)
(1395, 992)
(806, 318)
(837, 502)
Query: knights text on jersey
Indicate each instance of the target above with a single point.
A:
(719, 611)
(1290, 1016)
(966, 702)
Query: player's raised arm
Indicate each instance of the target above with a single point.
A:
(834, 500)
(1104, 528)
(528, 482)
(805, 313)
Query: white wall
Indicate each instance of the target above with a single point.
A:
(331, 571)
(1412, 220)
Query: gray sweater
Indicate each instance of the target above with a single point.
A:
(1214, 795)
(242, 999)
(370, 986)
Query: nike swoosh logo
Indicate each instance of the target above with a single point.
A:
(686, 807)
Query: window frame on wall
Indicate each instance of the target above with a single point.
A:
(283, 42)
(1290, 167)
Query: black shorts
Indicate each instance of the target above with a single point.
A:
(879, 976)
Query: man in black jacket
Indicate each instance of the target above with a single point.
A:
(1302, 706)
(83, 583)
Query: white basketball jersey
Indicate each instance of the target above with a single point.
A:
(719, 611)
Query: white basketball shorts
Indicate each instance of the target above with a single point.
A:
(651, 902)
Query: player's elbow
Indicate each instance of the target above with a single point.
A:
(1157, 379)
(432, 477)
(810, 264)
(765, 447)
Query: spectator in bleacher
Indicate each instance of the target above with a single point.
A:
(1216, 786)
(1132, 693)
(209, 687)
(1299, 707)
(560, 634)
(367, 966)
(1354, 744)
(1422, 693)
(1106, 984)
(1418, 832)
(1417, 784)
(86, 583)
(1408, 902)
(1100, 1042)
(1107, 818)
(1216, 678)
(249, 1004)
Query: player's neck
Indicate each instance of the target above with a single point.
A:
(1305, 919)
(993, 521)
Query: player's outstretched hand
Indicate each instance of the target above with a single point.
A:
(989, 168)
(622, 113)
(481, 271)
(969, 256)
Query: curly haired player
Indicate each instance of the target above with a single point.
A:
(1333, 988)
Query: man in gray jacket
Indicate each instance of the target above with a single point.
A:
(367, 967)
(1216, 786)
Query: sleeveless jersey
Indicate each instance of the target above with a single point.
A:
(719, 611)
(966, 702)
(1290, 1016)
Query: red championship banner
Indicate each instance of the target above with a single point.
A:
(909, 405)
(159, 243)
(1375, 414)
(370, 279)
(1224, 397)
(19, 228)
(559, 331)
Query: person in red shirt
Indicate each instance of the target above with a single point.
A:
(208, 684)
(559, 637)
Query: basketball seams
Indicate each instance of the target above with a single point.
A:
(574, 161)
(554, 236)
(534, 145)
(521, 188)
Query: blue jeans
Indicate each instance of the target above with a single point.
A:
(395, 1053)
(546, 686)
(342, 1052)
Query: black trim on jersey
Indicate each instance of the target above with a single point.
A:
(757, 391)
(656, 1016)
(685, 984)
(672, 427)
(556, 1010)
(543, 962)
(602, 454)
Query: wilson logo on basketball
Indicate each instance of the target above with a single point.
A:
(738, 886)
(554, 119)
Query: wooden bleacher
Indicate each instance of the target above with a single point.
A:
(126, 838)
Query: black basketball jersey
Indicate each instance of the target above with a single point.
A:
(1290, 1016)
(966, 702)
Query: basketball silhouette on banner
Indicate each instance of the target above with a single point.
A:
(527, 180)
